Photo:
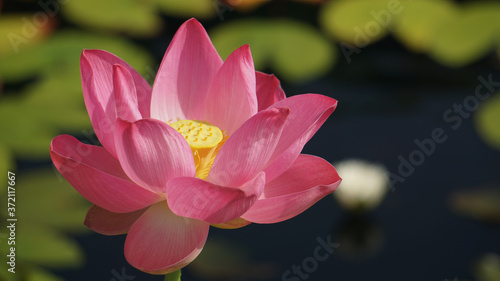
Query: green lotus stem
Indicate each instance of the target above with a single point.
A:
(174, 276)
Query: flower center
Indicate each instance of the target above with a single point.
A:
(198, 134)
(205, 141)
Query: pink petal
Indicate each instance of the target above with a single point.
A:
(125, 94)
(97, 82)
(269, 90)
(97, 176)
(248, 150)
(160, 242)
(231, 99)
(151, 153)
(108, 223)
(185, 73)
(307, 113)
(309, 179)
(199, 199)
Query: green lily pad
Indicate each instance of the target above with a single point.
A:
(61, 54)
(296, 51)
(46, 247)
(416, 25)
(47, 207)
(6, 164)
(487, 121)
(469, 36)
(133, 17)
(201, 9)
(37, 274)
(18, 31)
(25, 137)
(359, 23)
(27, 272)
(57, 203)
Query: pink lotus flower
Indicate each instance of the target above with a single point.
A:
(212, 143)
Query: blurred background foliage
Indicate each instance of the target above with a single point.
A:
(301, 41)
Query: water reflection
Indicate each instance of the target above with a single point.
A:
(360, 238)
(223, 260)
(480, 203)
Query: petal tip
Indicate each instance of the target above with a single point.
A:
(244, 51)
(192, 23)
(87, 52)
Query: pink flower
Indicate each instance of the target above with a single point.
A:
(212, 143)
